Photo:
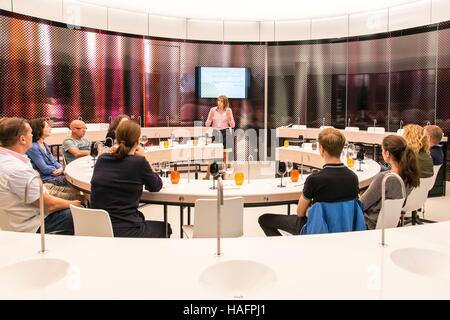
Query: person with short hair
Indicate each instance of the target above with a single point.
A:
(334, 183)
(111, 134)
(435, 135)
(416, 138)
(76, 146)
(15, 172)
(117, 185)
(402, 160)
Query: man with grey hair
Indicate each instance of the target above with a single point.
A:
(435, 134)
(76, 146)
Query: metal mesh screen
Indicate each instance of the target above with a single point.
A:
(412, 79)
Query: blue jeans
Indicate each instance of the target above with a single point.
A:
(59, 222)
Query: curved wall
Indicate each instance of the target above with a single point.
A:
(72, 12)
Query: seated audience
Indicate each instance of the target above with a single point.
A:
(112, 129)
(402, 161)
(417, 140)
(334, 183)
(117, 182)
(435, 135)
(15, 171)
(76, 146)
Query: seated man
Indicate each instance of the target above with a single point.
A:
(15, 172)
(76, 146)
(435, 134)
(335, 182)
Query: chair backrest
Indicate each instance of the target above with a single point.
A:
(351, 129)
(376, 129)
(391, 209)
(330, 217)
(91, 222)
(419, 195)
(231, 218)
(436, 169)
(400, 132)
(325, 127)
(4, 221)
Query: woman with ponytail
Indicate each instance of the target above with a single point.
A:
(117, 182)
(403, 161)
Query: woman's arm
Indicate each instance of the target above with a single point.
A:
(152, 181)
(230, 118)
(38, 160)
(373, 193)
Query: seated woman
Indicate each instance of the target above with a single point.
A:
(111, 134)
(42, 160)
(51, 171)
(417, 139)
(402, 160)
(116, 185)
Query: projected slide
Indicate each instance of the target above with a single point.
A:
(231, 82)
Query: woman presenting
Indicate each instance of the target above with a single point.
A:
(221, 118)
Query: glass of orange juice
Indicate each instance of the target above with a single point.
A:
(166, 144)
(175, 177)
(239, 178)
(286, 143)
(350, 162)
(295, 175)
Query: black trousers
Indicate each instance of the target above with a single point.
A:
(271, 223)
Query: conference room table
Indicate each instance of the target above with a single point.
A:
(256, 193)
(361, 136)
(97, 132)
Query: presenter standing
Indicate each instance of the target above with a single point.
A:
(221, 118)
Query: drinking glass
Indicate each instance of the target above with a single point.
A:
(94, 153)
(281, 171)
(289, 166)
(165, 167)
(295, 175)
(239, 178)
(229, 169)
(143, 141)
(175, 176)
(286, 143)
(166, 144)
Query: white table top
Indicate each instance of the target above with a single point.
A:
(99, 134)
(312, 158)
(259, 191)
(352, 136)
(334, 266)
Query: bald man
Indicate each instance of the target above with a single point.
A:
(76, 146)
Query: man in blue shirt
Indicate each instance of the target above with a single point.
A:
(434, 137)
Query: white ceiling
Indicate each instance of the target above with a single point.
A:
(250, 10)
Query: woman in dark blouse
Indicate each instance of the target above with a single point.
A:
(116, 185)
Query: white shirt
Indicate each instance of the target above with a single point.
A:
(15, 170)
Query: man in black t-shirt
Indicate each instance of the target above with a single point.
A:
(334, 183)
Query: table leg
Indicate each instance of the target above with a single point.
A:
(165, 220)
(181, 221)
(189, 215)
(289, 209)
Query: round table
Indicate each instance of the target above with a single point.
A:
(259, 192)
